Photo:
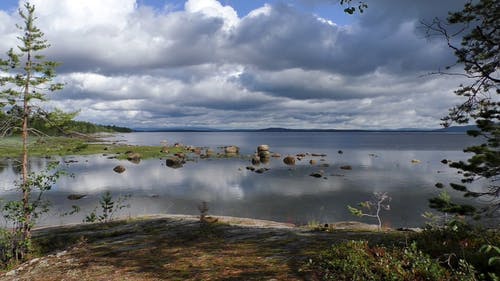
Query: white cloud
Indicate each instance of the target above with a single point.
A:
(202, 65)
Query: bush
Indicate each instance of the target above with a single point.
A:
(460, 241)
(356, 260)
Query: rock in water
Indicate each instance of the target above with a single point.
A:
(346, 167)
(263, 147)
(76, 196)
(119, 169)
(174, 162)
(289, 160)
(232, 149)
(255, 160)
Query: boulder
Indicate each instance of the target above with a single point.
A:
(346, 167)
(264, 154)
(209, 152)
(263, 147)
(164, 149)
(415, 161)
(250, 168)
(231, 149)
(134, 157)
(301, 155)
(276, 155)
(255, 160)
(174, 162)
(289, 160)
(340, 152)
(444, 161)
(313, 162)
(119, 169)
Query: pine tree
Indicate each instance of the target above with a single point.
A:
(478, 25)
(29, 79)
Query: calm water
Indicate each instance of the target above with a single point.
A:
(380, 162)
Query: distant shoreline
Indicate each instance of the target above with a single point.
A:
(454, 129)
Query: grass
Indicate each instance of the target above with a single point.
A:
(52, 146)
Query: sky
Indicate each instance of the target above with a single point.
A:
(238, 64)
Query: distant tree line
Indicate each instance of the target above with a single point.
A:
(54, 123)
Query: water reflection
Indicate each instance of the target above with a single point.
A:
(282, 193)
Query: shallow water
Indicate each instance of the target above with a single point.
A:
(380, 162)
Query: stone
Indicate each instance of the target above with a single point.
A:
(415, 161)
(261, 170)
(301, 155)
(276, 155)
(346, 167)
(209, 152)
(231, 149)
(263, 147)
(174, 162)
(340, 152)
(313, 162)
(250, 168)
(264, 154)
(289, 160)
(318, 154)
(444, 161)
(255, 160)
(76, 196)
(119, 169)
(134, 158)
(316, 175)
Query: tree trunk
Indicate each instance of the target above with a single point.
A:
(26, 225)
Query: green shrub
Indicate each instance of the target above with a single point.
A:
(460, 241)
(356, 260)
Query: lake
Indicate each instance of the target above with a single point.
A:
(380, 161)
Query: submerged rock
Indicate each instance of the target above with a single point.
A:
(316, 174)
(76, 196)
(119, 169)
(289, 160)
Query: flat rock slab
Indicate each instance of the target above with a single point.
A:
(173, 247)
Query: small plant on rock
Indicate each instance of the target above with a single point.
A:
(373, 207)
(109, 207)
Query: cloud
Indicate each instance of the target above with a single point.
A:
(280, 65)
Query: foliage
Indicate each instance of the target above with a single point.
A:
(26, 79)
(109, 207)
(351, 9)
(373, 207)
(477, 24)
(356, 260)
(457, 240)
(203, 208)
(54, 123)
(14, 212)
